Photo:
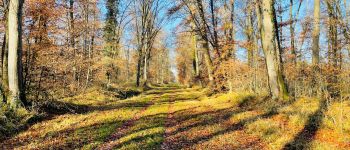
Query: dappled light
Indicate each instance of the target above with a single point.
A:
(175, 74)
(181, 118)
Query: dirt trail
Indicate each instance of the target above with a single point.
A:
(162, 118)
(170, 121)
(113, 140)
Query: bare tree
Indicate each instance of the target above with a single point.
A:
(148, 23)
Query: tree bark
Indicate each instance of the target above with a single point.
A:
(195, 55)
(139, 65)
(208, 61)
(229, 31)
(3, 84)
(195, 58)
(316, 34)
(214, 22)
(347, 13)
(205, 41)
(271, 47)
(71, 24)
(4, 59)
(128, 65)
(145, 65)
(250, 37)
(232, 31)
(333, 54)
(292, 33)
(15, 53)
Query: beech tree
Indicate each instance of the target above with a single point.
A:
(272, 49)
(15, 53)
(4, 54)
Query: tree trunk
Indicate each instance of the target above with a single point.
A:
(3, 84)
(292, 33)
(3, 47)
(15, 53)
(316, 34)
(232, 31)
(138, 74)
(86, 29)
(195, 56)
(208, 61)
(214, 22)
(127, 64)
(347, 13)
(145, 77)
(333, 54)
(4, 62)
(205, 41)
(271, 46)
(71, 24)
(72, 38)
(250, 37)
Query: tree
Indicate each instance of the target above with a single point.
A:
(316, 33)
(148, 23)
(203, 30)
(15, 53)
(4, 55)
(110, 29)
(271, 46)
(292, 33)
(187, 60)
(346, 25)
(71, 24)
(72, 36)
(333, 47)
(230, 28)
(249, 31)
(195, 52)
(203, 35)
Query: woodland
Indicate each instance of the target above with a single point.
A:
(175, 74)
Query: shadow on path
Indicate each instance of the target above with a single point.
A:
(304, 137)
(177, 137)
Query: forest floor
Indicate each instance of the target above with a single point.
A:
(185, 118)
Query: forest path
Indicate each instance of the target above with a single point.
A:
(171, 118)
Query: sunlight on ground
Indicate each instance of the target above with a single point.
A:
(179, 118)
